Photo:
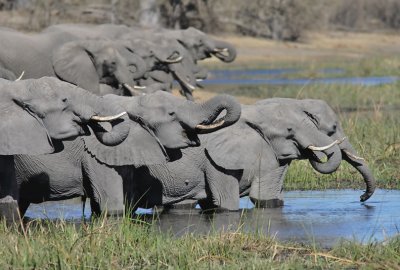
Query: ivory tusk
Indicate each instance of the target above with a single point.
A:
(97, 118)
(139, 87)
(216, 124)
(188, 85)
(20, 76)
(353, 156)
(323, 148)
(131, 89)
(176, 60)
(218, 50)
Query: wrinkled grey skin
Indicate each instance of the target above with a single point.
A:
(90, 64)
(250, 157)
(105, 174)
(35, 113)
(328, 123)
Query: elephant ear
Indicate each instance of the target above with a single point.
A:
(22, 131)
(235, 147)
(73, 63)
(139, 148)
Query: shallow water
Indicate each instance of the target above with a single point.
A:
(321, 217)
(263, 76)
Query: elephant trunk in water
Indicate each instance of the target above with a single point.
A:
(205, 121)
(224, 51)
(98, 110)
(350, 155)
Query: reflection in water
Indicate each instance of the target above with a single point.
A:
(309, 216)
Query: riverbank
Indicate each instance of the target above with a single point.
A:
(127, 244)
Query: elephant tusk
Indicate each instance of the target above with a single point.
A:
(139, 87)
(131, 89)
(97, 118)
(20, 76)
(353, 156)
(218, 50)
(188, 85)
(216, 124)
(199, 80)
(176, 60)
(323, 148)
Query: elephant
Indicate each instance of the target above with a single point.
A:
(190, 44)
(250, 157)
(100, 66)
(37, 113)
(328, 122)
(162, 125)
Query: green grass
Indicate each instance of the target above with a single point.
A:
(125, 244)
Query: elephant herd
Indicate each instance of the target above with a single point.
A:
(81, 116)
(112, 59)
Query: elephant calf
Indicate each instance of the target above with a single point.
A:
(251, 158)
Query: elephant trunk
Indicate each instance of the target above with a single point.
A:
(319, 143)
(224, 51)
(96, 110)
(212, 108)
(350, 155)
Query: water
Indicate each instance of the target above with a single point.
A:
(322, 217)
(263, 76)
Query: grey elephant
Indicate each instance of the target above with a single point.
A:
(100, 66)
(249, 158)
(161, 125)
(36, 114)
(328, 122)
(191, 44)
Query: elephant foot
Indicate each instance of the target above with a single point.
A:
(272, 203)
(187, 204)
(9, 209)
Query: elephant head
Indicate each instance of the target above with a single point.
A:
(202, 46)
(161, 121)
(328, 123)
(34, 112)
(166, 60)
(264, 142)
(89, 63)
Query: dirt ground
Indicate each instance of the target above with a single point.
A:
(315, 47)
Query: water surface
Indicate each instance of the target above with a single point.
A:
(322, 217)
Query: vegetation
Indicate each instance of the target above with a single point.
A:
(130, 244)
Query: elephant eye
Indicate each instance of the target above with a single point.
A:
(64, 100)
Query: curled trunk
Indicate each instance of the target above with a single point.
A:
(327, 146)
(97, 106)
(210, 110)
(224, 51)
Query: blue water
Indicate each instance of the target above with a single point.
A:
(322, 217)
(274, 77)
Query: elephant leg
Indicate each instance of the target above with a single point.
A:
(222, 188)
(8, 189)
(266, 187)
(103, 185)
